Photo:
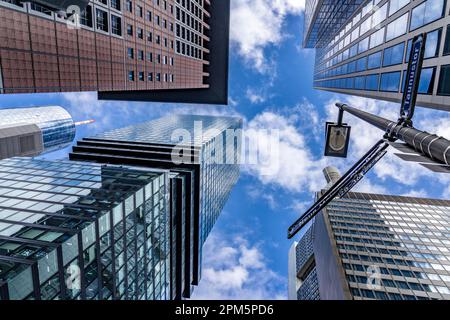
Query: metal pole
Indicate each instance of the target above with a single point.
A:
(431, 145)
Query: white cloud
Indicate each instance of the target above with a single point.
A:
(289, 162)
(257, 24)
(367, 186)
(254, 96)
(233, 269)
(422, 193)
(257, 194)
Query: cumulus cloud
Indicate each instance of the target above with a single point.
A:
(422, 193)
(255, 96)
(285, 159)
(234, 269)
(367, 186)
(257, 24)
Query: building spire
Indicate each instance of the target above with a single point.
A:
(82, 123)
(332, 175)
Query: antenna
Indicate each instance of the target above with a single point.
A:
(82, 123)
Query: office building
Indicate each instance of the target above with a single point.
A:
(35, 131)
(370, 246)
(207, 175)
(362, 47)
(303, 282)
(83, 231)
(143, 50)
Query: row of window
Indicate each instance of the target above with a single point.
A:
(150, 17)
(194, 7)
(166, 77)
(157, 39)
(391, 56)
(115, 4)
(390, 82)
(188, 35)
(159, 3)
(424, 13)
(188, 50)
(149, 57)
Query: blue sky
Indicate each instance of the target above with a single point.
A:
(271, 88)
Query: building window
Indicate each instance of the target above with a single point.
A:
(140, 11)
(130, 52)
(432, 46)
(361, 64)
(393, 55)
(158, 77)
(444, 81)
(141, 55)
(379, 16)
(116, 25)
(353, 51)
(426, 83)
(426, 12)
(351, 67)
(150, 56)
(374, 60)
(150, 76)
(101, 20)
(115, 4)
(363, 45)
(372, 82)
(359, 83)
(130, 30)
(377, 38)
(397, 5)
(390, 81)
(365, 26)
(447, 41)
(140, 33)
(397, 27)
(129, 6)
(349, 83)
(141, 76)
(131, 75)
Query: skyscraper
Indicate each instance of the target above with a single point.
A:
(370, 246)
(34, 131)
(209, 170)
(83, 231)
(129, 227)
(145, 50)
(362, 47)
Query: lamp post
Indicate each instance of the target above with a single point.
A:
(432, 151)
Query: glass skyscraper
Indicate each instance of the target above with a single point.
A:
(370, 246)
(206, 174)
(33, 131)
(73, 230)
(362, 47)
